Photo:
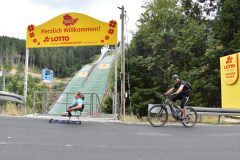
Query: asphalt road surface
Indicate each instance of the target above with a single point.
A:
(36, 139)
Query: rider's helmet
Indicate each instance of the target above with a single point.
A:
(175, 77)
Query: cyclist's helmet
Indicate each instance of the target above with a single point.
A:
(175, 77)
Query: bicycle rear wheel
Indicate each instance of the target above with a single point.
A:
(191, 118)
(157, 115)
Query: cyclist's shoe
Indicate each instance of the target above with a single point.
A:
(185, 119)
(181, 118)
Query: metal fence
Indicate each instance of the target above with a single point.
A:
(42, 100)
(45, 100)
(115, 104)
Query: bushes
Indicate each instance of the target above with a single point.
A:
(107, 106)
(15, 84)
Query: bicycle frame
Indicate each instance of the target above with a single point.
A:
(168, 102)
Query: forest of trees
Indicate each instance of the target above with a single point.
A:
(183, 37)
(63, 61)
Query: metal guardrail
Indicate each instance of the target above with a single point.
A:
(216, 112)
(8, 96)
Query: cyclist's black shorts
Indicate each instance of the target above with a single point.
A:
(181, 96)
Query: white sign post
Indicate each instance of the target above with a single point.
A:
(25, 80)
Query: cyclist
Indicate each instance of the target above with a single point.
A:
(180, 91)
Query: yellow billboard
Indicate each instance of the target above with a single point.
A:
(72, 29)
(230, 81)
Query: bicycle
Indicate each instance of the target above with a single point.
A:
(158, 114)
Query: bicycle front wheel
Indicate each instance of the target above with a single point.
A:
(158, 115)
(191, 118)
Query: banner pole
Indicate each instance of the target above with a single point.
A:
(25, 80)
(115, 87)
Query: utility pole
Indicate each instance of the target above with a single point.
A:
(122, 17)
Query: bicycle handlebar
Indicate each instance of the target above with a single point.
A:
(166, 96)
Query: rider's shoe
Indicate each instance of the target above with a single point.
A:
(65, 114)
(69, 114)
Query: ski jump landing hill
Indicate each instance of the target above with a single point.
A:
(91, 80)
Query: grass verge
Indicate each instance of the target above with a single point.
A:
(203, 119)
(10, 109)
(13, 110)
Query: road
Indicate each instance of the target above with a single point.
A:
(36, 139)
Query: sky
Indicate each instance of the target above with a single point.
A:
(16, 15)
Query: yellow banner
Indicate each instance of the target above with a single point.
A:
(230, 82)
(72, 29)
(229, 68)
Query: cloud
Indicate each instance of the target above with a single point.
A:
(66, 4)
(15, 18)
(16, 15)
